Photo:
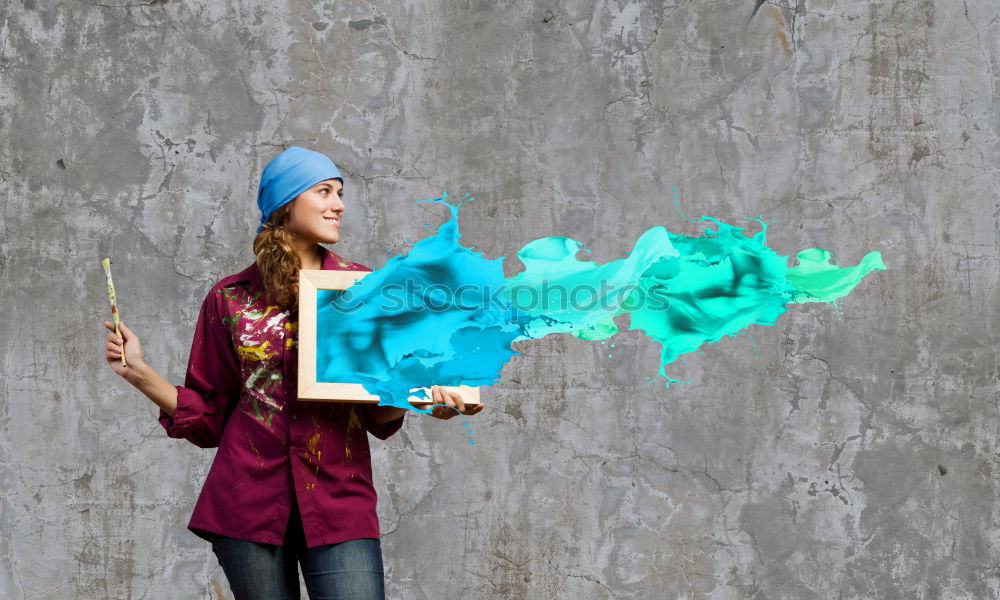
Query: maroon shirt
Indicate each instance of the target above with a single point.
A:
(240, 394)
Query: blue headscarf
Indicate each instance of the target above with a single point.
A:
(289, 174)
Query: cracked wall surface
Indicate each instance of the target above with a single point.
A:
(854, 455)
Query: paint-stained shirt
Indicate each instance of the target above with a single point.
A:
(240, 395)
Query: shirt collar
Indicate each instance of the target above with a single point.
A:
(252, 273)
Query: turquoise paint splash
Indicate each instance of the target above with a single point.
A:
(431, 317)
(444, 314)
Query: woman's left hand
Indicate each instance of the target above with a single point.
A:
(449, 403)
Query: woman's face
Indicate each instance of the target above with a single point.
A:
(315, 213)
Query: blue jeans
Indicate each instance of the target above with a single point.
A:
(348, 570)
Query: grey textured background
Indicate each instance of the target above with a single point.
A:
(855, 457)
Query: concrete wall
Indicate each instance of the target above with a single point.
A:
(855, 457)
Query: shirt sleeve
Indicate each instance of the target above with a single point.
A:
(212, 384)
(382, 430)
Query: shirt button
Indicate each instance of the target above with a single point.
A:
(295, 417)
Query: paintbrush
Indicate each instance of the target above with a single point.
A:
(114, 305)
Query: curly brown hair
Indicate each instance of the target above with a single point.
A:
(277, 260)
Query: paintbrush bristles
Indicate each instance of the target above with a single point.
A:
(106, 263)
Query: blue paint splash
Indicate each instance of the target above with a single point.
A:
(431, 317)
(444, 314)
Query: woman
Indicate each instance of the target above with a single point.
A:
(291, 481)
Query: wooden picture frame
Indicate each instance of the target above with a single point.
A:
(310, 282)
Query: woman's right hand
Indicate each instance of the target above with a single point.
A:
(133, 349)
(138, 373)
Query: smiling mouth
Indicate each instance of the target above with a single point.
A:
(332, 220)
